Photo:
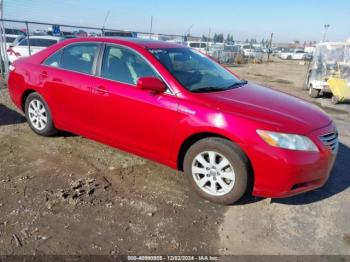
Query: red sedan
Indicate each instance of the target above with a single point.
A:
(174, 105)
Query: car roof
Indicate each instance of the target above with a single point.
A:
(144, 43)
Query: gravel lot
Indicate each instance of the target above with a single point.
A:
(70, 195)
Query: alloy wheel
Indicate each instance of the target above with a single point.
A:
(213, 173)
(37, 114)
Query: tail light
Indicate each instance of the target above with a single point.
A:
(10, 51)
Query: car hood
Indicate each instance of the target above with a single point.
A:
(283, 112)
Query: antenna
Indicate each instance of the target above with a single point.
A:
(106, 17)
(151, 28)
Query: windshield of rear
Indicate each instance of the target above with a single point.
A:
(195, 71)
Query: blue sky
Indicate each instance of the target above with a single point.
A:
(289, 20)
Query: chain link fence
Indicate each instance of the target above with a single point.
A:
(13, 32)
(24, 34)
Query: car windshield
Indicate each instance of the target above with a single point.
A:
(195, 71)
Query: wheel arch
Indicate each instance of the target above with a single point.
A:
(202, 135)
(189, 141)
(24, 97)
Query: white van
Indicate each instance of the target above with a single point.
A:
(200, 46)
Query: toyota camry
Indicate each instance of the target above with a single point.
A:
(174, 105)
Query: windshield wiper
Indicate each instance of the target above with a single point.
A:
(215, 89)
(207, 89)
(238, 84)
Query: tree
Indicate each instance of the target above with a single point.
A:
(253, 41)
(229, 38)
(220, 38)
(215, 38)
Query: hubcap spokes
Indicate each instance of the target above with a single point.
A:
(37, 114)
(213, 173)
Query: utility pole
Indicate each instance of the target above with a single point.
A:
(326, 27)
(188, 31)
(4, 59)
(270, 47)
(151, 28)
(208, 39)
(1, 51)
(104, 22)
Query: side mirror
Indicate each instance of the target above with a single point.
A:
(152, 84)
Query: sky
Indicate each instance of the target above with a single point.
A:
(301, 20)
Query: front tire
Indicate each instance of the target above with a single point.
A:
(38, 115)
(314, 93)
(217, 169)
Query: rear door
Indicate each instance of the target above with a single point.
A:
(67, 76)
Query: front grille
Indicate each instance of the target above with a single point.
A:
(330, 140)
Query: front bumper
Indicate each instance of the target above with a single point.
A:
(282, 173)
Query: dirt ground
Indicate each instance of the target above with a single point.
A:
(70, 195)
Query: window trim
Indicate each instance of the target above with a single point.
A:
(97, 65)
(100, 60)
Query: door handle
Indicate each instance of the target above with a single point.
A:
(101, 90)
(44, 74)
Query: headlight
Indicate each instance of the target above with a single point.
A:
(287, 141)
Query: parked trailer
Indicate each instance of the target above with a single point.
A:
(330, 71)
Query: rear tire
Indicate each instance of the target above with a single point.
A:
(38, 115)
(334, 100)
(314, 93)
(217, 169)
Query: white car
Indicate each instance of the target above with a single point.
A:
(293, 55)
(253, 53)
(36, 43)
(199, 46)
(11, 35)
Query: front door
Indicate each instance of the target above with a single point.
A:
(135, 119)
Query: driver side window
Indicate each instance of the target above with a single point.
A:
(123, 65)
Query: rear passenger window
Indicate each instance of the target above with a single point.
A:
(79, 57)
(54, 60)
